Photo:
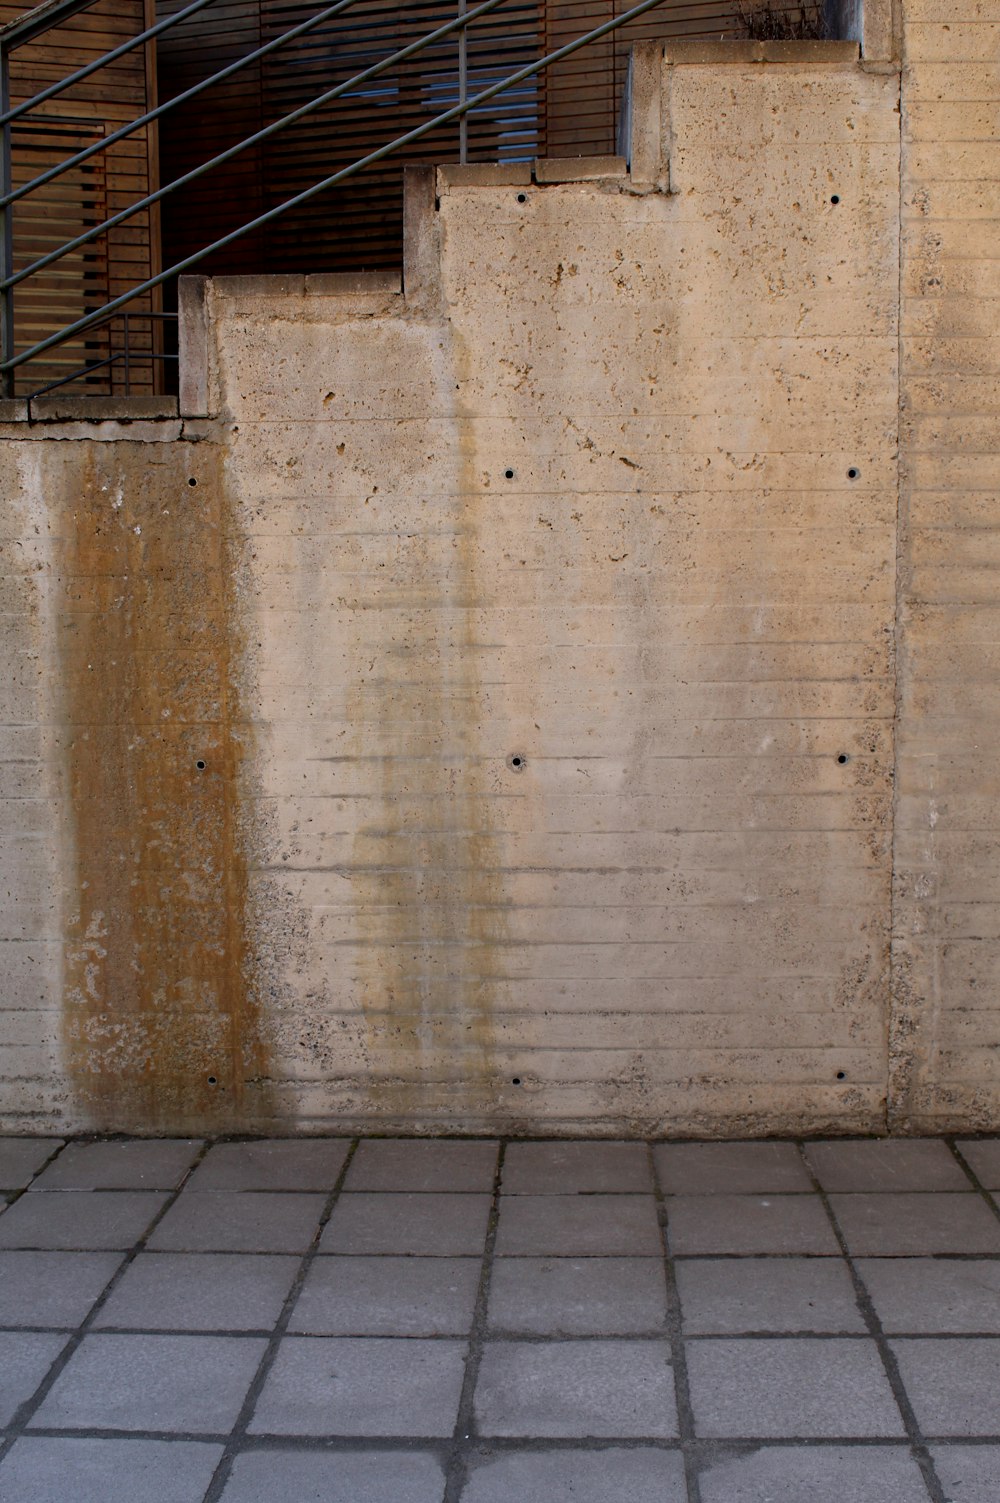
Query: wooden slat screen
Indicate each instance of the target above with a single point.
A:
(83, 197)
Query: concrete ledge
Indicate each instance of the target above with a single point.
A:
(577, 169)
(317, 284)
(483, 175)
(827, 53)
(56, 409)
(13, 409)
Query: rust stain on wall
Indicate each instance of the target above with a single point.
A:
(160, 1028)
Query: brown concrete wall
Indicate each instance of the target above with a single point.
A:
(946, 1019)
(536, 627)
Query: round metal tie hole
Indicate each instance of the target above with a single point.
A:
(200, 764)
(853, 472)
(508, 474)
(212, 1080)
(835, 198)
(841, 1074)
(522, 198)
(192, 481)
(516, 762)
(516, 1080)
(843, 758)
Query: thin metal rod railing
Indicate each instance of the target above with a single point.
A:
(529, 71)
(12, 279)
(18, 110)
(170, 104)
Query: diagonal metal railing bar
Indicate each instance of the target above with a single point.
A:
(15, 112)
(133, 125)
(529, 71)
(428, 40)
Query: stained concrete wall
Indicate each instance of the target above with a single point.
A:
(481, 712)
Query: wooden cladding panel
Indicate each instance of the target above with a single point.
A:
(86, 195)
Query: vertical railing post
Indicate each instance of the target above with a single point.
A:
(463, 84)
(6, 233)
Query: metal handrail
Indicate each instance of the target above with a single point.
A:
(459, 111)
(460, 21)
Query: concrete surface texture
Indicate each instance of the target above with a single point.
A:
(555, 696)
(784, 1322)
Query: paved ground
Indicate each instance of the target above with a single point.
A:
(390, 1321)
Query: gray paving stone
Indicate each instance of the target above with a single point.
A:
(553, 1226)
(52, 1288)
(568, 1476)
(25, 1358)
(190, 1384)
(388, 1297)
(747, 1224)
(816, 1474)
(578, 1296)
(21, 1158)
(970, 1474)
(914, 1225)
(576, 1389)
(408, 1165)
(200, 1292)
(332, 1385)
(576, 1169)
(983, 1158)
(138, 1164)
(892, 1165)
(96, 1221)
(933, 1295)
(808, 1388)
(335, 1477)
(734, 1168)
(443, 1226)
(39, 1467)
(723, 1297)
(238, 1222)
(273, 1164)
(953, 1384)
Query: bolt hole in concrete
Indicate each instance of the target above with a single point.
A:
(841, 1074)
(508, 474)
(516, 1080)
(522, 198)
(192, 481)
(200, 765)
(835, 198)
(516, 762)
(841, 759)
(213, 1080)
(853, 473)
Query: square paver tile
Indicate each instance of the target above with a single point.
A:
(138, 1164)
(408, 1165)
(273, 1164)
(235, 1222)
(815, 1474)
(808, 1388)
(576, 1388)
(424, 1225)
(107, 1471)
(578, 1296)
(727, 1296)
(970, 1474)
(911, 1225)
(887, 1164)
(388, 1297)
(200, 1292)
(934, 1295)
(192, 1384)
(952, 1383)
(733, 1168)
(983, 1157)
(747, 1224)
(25, 1358)
(335, 1477)
(21, 1159)
(331, 1385)
(577, 1226)
(99, 1220)
(576, 1169)
(52, 1288)
(569, 1476)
